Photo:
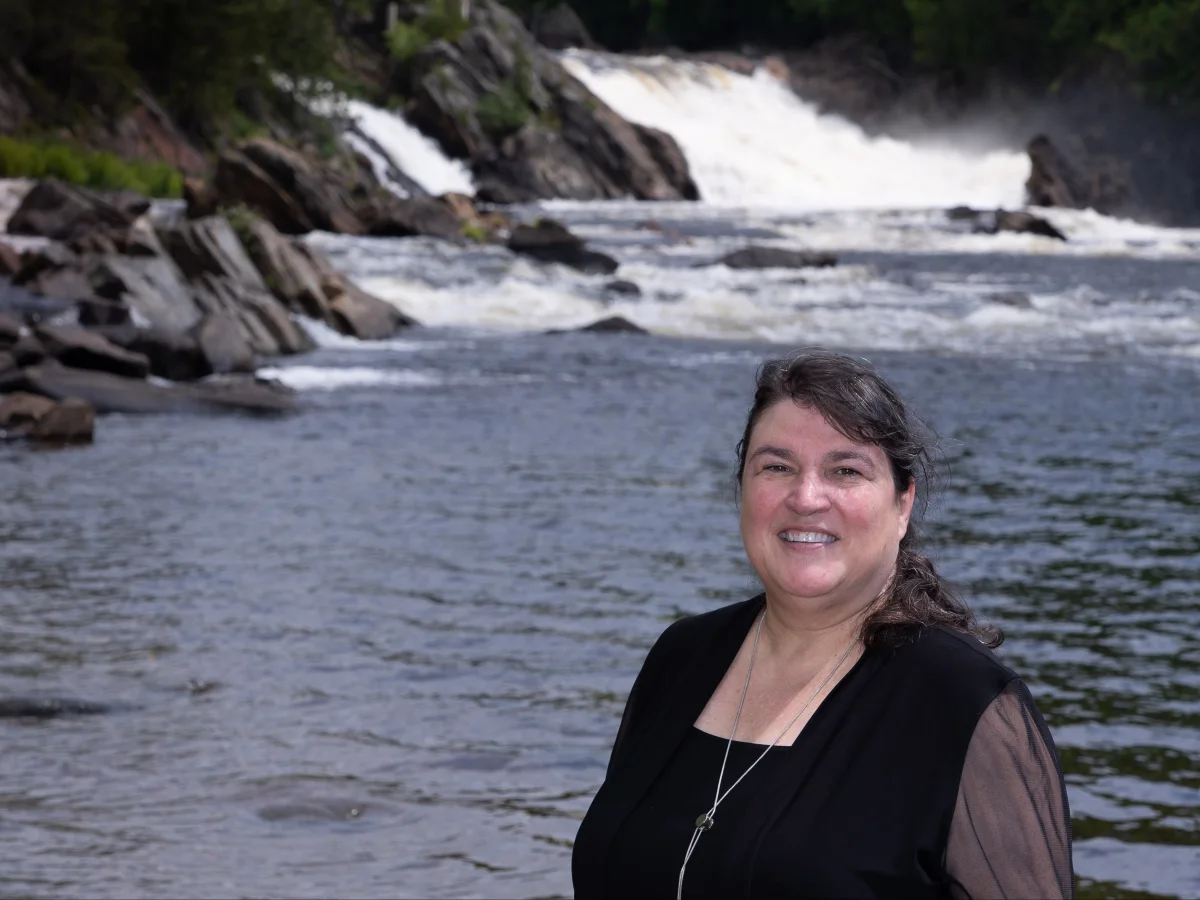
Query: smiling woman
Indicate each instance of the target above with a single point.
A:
(862, 739)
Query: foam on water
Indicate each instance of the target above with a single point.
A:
(750, 140)
(322, 378)
(417, 156)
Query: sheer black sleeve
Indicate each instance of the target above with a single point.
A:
(1011, 832)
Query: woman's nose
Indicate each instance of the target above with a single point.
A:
(809, 493)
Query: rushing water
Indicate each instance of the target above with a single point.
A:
(379, 647)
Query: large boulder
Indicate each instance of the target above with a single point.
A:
(757, 257)
(172, 355)
(559, 27)
(1026, 223)
(288, 273)
(210, 246)
(669, 155)
(10, 331)
(68, 423)
(84, 349)
(59, 211)
(153, 287)
(112, 393)
(353, 311)
(20, 411)
(1053, 181)
(549, 241)
(415, 216)
(528, 128)
(223, 343)
(291, 190)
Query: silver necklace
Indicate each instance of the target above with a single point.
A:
(704, 821)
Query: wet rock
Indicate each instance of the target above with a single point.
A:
(199, 198)
(7, 362)
(223, 343)
(265, 323)
(48, 707)
(624, 288)
(44, 259)
(153, 287)
(415, 216)
(1015, 299)
(172, 355)
(69, 423)
(353, 311)
(69, 285)
(10, 261)
(665, 151)
(113, 393)
(59, 211)
(963, 214)
(20, 411)
(1026, 223)
(288, 273)
(614, 325)
(291, 190)
(210, 246)
(28, 350)
(755, 257)
(97, 311)
(83, 349)
(549, 241)
(10, 331)
(559, 27)
(1053, 181)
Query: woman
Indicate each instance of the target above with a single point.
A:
(847, 733)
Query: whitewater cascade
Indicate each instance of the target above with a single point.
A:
(751, 142)
(414, 154)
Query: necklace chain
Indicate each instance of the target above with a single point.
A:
(705, 820)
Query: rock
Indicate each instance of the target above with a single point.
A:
(1053, 181)
(82, 349)
(10, 331)
(28, 350)
(288, 273)
(549, 241)
(415, 216)
(59, 211)
(199, 198)
(10, 261)
(756, 257)
(69, 423)
(1027, 223)
(362, 315)
(666, 151)
(147, 132)
(1015, 299)
(21, 304)
(265, 323)
(172, 355)
(625, 288)
(153, 287)
(210, 246)
(97, 311)
(963, 214)
(560, 27)
(69, 285)
(222, 341)
(562, 140)
(288, 188)
(43, 259)
(614, 325)
(20, 411)
(7, 361)
(112, 393)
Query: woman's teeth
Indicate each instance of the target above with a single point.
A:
(807, 537)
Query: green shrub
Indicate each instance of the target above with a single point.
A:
(405, 40)
(443, 19)
(503, 111)
(473, 231)
(86, 168)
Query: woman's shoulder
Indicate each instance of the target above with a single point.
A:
(701, 627)
(951, 662)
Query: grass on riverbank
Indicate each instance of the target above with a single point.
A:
(86, 168)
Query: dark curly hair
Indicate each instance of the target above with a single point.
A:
(855, 400)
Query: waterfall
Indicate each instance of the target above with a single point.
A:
(392, 144)
(750, 141)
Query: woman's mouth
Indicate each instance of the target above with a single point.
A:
(807, 537)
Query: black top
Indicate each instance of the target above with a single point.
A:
(926, 772)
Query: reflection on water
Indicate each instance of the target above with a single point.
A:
(380, 648)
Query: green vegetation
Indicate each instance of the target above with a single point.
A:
(473, 231)
(87, 168)
(1034, 40)
(504, 110)
(442, 20)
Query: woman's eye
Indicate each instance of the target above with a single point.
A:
(775, 467)
(845, 472)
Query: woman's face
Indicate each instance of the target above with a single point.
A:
(821, 519)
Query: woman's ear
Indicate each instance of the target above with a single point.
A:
(907, 498)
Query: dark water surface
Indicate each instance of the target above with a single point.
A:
(379, 648)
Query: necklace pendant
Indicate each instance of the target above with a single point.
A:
(704, 822)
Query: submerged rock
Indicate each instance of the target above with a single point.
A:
(756, 257)
(549, 241)
(614, 325)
